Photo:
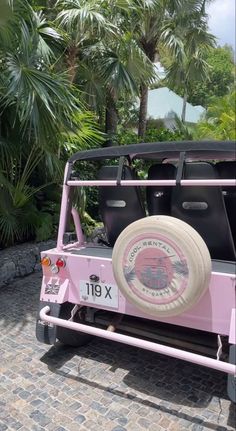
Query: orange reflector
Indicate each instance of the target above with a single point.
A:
(46, 261)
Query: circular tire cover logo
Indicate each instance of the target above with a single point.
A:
(155, 268)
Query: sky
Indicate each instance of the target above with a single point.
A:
(222, 21)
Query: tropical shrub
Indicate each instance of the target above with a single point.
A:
(125, 137)
(219, 122)
(41, 123)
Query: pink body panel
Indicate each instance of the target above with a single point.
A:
(212, 313)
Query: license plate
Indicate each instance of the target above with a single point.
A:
(99, 293)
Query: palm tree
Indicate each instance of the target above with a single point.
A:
(85, 24)
(38, 109)
(161, 22)
(38, 97)
(122, 66)
(191, 66)
(147, 23)
(102, 57)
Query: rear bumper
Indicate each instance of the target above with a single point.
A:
(225, 367)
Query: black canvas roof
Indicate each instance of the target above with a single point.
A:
(205, 149)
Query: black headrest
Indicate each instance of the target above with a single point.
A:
(119, 205)
(227, 170)
(204, 209)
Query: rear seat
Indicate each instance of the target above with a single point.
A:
(204, 209)
(227, 170)
(119, 206)
(201, 207)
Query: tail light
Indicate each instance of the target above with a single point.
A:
(46, 261)
(60, 263)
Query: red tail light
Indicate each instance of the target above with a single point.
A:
(60, 263)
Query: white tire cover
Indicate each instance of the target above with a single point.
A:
(161, 265)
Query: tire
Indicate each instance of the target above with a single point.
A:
(69, 337)
(161, 265)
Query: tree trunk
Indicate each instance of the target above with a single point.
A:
(71, 62)
(184, 107)
(150, 51)
(143, 110)
(111, 118)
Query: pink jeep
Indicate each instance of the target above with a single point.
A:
(165, 270)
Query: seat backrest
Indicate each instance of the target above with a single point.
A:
(203, 208)
(119, 205)
(159, 197)
(227, 170)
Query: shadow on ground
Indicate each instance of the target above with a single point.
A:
(164, 379)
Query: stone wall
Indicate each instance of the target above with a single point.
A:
(21, 260)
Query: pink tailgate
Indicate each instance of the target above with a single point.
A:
(73, 283)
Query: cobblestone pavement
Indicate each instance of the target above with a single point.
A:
(103, 387)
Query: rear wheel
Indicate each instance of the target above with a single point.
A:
(70, 337)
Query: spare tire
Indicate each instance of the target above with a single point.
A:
(161, 265)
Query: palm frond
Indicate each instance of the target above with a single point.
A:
(86, 136)
(125, 65)
(43, 101)
(84, 16)
(48, 37)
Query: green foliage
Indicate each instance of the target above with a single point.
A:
(85, 135)
(191, 66)
(85, 18)
(56, 57)
(6, 12)
(221, 77)
(88, 224)
(41, 124)
(19, 216)
(126, 137)
(44, 227)
(153, 123)
(219, 123)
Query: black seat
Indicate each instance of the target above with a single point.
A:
(159, 197)
(119, 205)
(227, 170)
(203, 208)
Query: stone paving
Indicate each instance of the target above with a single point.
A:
(101, 387)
